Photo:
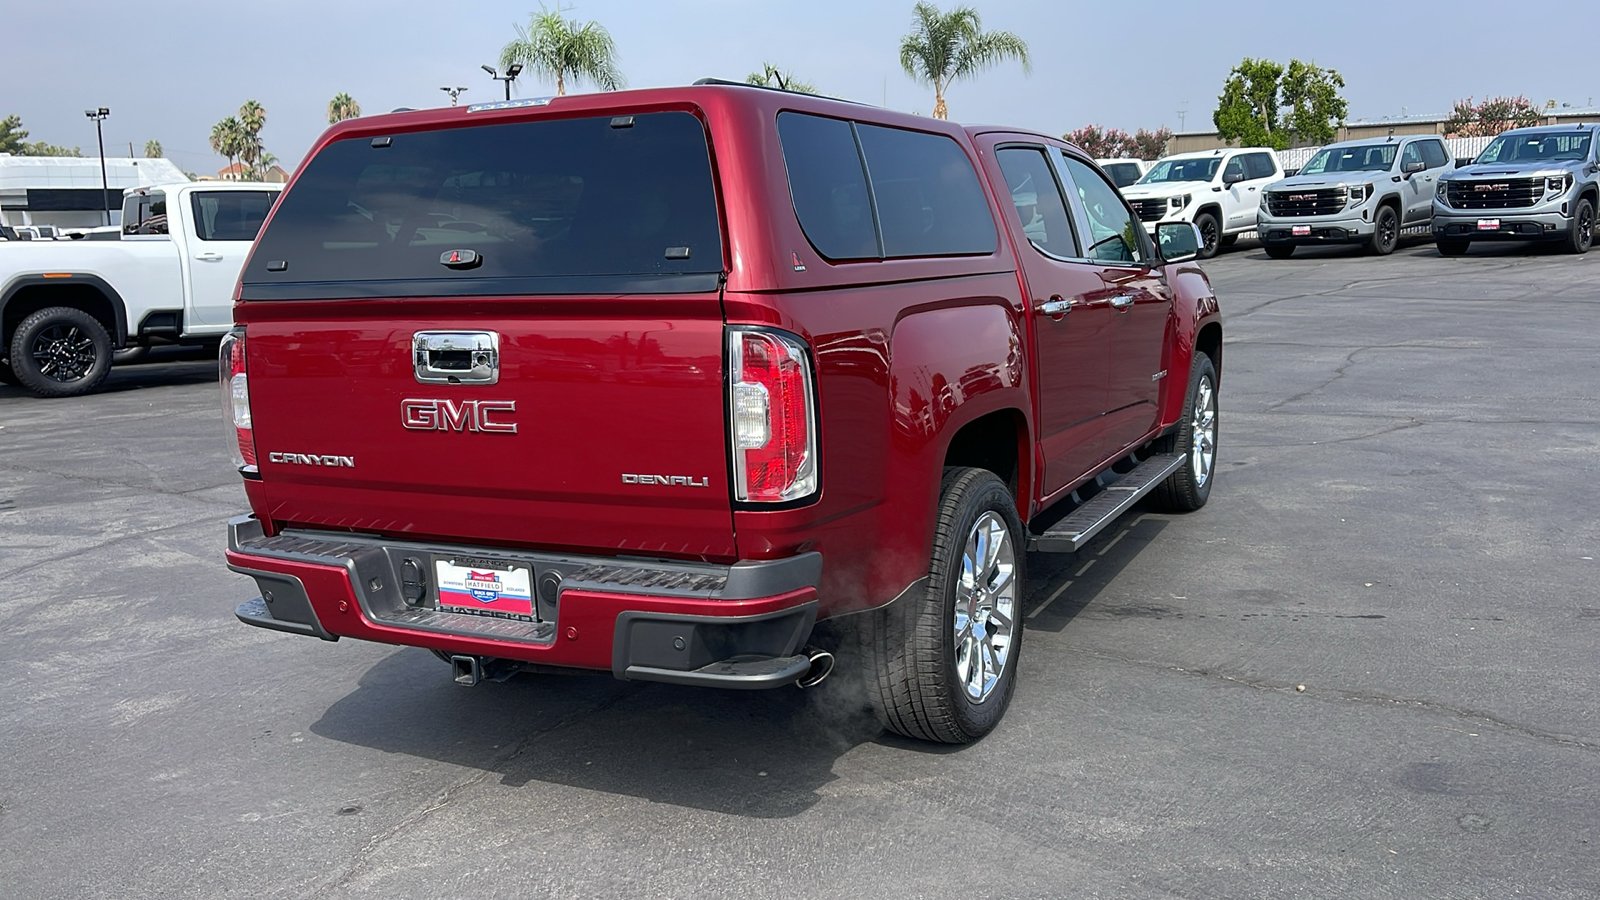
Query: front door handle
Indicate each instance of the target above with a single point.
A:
(1056, 307)
(1121, 303)
(209, 256)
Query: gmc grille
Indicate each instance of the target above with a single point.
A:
(1495, 193)
(1150, 210)
(1307, 202)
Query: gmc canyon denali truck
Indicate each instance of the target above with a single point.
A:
(652, 382)
(1529, 184)
(1356, 192)
(66, 306)
(1218, 190)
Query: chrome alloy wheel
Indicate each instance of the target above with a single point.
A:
(63, 353)
(1203, 431)
(986, 603)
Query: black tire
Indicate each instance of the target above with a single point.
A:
(1228, 240)
(61, 352)
(1210, 234)
(1188, 488)
(1451, 248)
(1385, 232)
(129, 354)
(911, 650)
(1581, 237)
(1280, 251)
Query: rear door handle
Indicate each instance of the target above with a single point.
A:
(1056, 307)
(209, 256)
(1121, 303)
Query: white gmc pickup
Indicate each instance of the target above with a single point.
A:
(66, 306)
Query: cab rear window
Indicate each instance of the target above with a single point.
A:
(611, 204)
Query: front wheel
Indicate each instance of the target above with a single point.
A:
(1280, 251)
(1581, 237)
(61, 352)
(1451, 248)
(1196, 439)
(942, 663)
(1210, 234)
(1385, 232)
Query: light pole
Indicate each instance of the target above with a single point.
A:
(510, 76)
(99, 115)
(454, 92)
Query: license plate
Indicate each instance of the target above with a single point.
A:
(1488, 224)
(1300, 230)
(485, 588)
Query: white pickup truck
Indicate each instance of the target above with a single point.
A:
(67, 306)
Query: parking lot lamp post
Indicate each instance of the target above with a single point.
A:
(454, 92)
(99, 115)
(510, 76)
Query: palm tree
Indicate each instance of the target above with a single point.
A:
(152, 149)
(227, 138)
(341, 107)
(252, 118)
(771, 76)
(557, 48)
(946, 47)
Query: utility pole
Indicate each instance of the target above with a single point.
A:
(99, 115)
(454, 92)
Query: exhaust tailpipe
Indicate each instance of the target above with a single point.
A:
(466, 670)
(821, 667)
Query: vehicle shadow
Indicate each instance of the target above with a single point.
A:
(759, 754)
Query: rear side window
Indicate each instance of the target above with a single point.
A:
(1258, 165)
(1121, 174)
(230, 215)
(918, 194)
(1038, 201)
(145, 213)
(607, 204)
(1433, 154)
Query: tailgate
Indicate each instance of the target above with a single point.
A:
(604, 431)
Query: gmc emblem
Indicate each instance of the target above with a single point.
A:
(457, 415)
(1298, 197)
(1491, 187)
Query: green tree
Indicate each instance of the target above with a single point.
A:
(12, 134)
(40, 148)
(943, 48)
(341, 107)
(771, 76)
(252, 118)
(152, 149)
(560, 48)
(227, 138)
(1491, 117)
(1251, 110)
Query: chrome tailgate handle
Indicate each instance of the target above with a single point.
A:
(456, 357)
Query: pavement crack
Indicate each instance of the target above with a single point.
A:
(104, 544)
(1338, 373)
(1371, 699)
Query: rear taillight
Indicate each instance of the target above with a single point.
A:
(236, 401)
(773, 412)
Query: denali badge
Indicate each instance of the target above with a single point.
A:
(457, 415)
(312, 459)
(668, 480)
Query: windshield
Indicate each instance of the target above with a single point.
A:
(1363, 158)
(1536, 147)
(1199, 169)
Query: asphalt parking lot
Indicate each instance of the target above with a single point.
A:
(1403, 524)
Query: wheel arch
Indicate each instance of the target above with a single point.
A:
(998, 442)
(27, 294)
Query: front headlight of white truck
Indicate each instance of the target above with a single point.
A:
(1178, 202)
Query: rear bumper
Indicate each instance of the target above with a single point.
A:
(740, 626)
(1459, 225)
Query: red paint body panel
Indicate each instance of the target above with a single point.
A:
(906, 353)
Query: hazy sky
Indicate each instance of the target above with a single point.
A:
(171, 70)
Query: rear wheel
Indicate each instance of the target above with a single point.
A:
(942, 664)
(1385, 232)
(1280, 251)
(1451, 248)
(61, 352)
(1581, 237)
(1196, 439)
(1210, 234)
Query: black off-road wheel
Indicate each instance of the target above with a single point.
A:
(1581, 237)
(1452, 248)
(1196, 439)
(1210, 234)
(1385, 232)
(1280, 251)
(942, 663)
(61, 352)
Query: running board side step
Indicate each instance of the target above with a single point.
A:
(1070, 534)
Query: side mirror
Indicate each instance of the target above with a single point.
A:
(1413, 167)
(1231, 178)
(1178, 241)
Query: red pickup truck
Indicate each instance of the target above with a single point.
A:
(655, 381)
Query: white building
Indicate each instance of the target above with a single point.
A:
(65, 191)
